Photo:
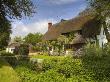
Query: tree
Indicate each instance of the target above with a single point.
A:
(11, 9)
(102, 8)
(102, 12)
(33, 39)
(15, 8)
(18, 39)
(23, 50)
(5, 30)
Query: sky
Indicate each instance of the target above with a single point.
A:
(47, 11)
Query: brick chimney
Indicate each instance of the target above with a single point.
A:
(49, 25)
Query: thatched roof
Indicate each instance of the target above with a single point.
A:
(51, 34)
(13, 45)
(78, 39)
(74, 24)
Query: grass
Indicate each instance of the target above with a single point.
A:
(7, 74)
(47, 57)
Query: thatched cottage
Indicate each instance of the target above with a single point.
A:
(12, 47)
(84, 26)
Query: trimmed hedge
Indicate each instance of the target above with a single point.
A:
(4, 53)
(9, 57)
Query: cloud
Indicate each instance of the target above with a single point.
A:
(59, 2)
(21, 29)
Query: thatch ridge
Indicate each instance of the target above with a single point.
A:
(73, 24)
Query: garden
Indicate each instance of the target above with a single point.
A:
(93, 66)
(75, 47)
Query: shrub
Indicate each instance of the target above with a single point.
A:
(96, 61)
(9, 57)
(11, 60)
(50, 76)
(49, 64)
(26, 74)
(92, 67)
(3, 53)
(88, 68)
(94, 50)
(24, 49)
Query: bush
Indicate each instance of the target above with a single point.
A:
(69, 68)
(49, 64)
(10, 58)
(96, 61)
(94, 50)
(25, 72)
(4, 53)
(50, 76)
(24, 49)
(92, 67)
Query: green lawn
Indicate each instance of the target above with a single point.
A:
(48, 57)
(7, 74)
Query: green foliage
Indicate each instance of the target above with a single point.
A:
(92, 67)
(46, 57)
(102, 8)
(11, 60)
(9, 57)
(96, 60)
(54, 70)
(25, 72)
(7, 73)
(5, 30)
(4, 53)
(96, 51)
(18, 39)
(24, 49)
(50, 76)
(16, 8)
(11, 9)
(33, 39)
(38, 48)
(49, 64)
(102, 12)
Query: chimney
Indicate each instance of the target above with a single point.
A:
(49, 25)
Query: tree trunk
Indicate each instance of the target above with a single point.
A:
(107, 34)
